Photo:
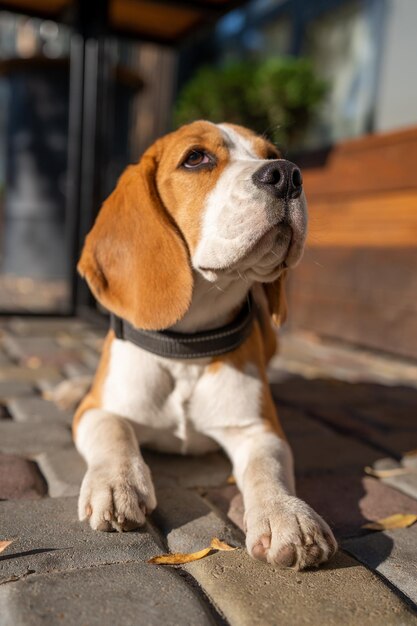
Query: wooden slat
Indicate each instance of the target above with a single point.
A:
(50, 8)
(365, 296)
(152, 19)
(378, 221)
(372, 164)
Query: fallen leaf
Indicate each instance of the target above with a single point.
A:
(399, 520)
(178, 558)
(388, 473)
(216, 544)
(33, 362)
(4, 544)
(65, 340)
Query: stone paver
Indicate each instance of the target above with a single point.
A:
(23, 347)
(320, 394)
(228, 500)
(385, 417)
(317, 448)
(400, 563)
(188, 523)
(389, 428)
(13, 389)
(330, 392)
(17, 373)
(308, 355)
(407, 483)
(91, 359)
(95, 342)
(132, 594)
(33, 409)
(46, 385)
(29, 440)
(4, 358)
(250, 593)
(347, 502)
(20, 479)
(29, 327)
(63, 471)
(46, 350)
(74, 370)
(208, 470)
(50, 538)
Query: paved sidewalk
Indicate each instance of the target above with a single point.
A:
(343, 409)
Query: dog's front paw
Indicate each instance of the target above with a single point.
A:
(117, 497)
(287, 532)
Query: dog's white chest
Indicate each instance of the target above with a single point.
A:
(157, 395)
(179, 402)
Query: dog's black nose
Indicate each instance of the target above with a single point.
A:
(281, 178)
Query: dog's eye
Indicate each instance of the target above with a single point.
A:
(196, 158)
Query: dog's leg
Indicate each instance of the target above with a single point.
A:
(117, 490)
(281, 528)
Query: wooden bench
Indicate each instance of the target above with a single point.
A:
(358, 279)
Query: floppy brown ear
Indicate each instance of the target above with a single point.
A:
(134, 259)
(277, 301)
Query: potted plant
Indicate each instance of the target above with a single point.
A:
(277, 97)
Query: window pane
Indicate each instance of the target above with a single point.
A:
(343, 48)
(34, 75)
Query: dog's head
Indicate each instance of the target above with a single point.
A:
(216, 199)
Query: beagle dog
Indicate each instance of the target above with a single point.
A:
(189, 254)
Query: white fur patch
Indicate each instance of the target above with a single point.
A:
(240, 147)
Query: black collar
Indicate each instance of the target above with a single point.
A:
(173, 345)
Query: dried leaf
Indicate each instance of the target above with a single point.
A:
(177, 558)
(33, 362)
(399, 520)
(388, 473)
(216, 544)
(4, 544)
(231, 480)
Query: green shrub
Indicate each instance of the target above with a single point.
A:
(277, 97)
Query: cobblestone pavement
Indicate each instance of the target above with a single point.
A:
(343, 409)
